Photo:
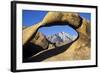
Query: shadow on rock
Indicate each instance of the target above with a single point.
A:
(48, 53)
(30, 49)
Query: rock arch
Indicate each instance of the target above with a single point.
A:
(78, 50)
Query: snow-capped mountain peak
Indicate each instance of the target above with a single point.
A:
(60, 37)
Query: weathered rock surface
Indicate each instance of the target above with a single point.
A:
(40, 40)
(72, 18)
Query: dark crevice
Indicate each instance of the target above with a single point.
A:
(48, 53)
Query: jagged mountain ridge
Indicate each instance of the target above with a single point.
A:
(61, 37)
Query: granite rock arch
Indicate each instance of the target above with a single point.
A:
(77, 50)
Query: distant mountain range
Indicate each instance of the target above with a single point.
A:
(61, 37)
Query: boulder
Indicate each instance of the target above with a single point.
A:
(40, 40)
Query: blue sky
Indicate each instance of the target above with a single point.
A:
(86, 16)
(56, 29)
(31, 17)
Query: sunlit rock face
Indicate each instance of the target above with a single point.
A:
(80, 49)
(71, 18)
(85, 27)
(40, 40)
